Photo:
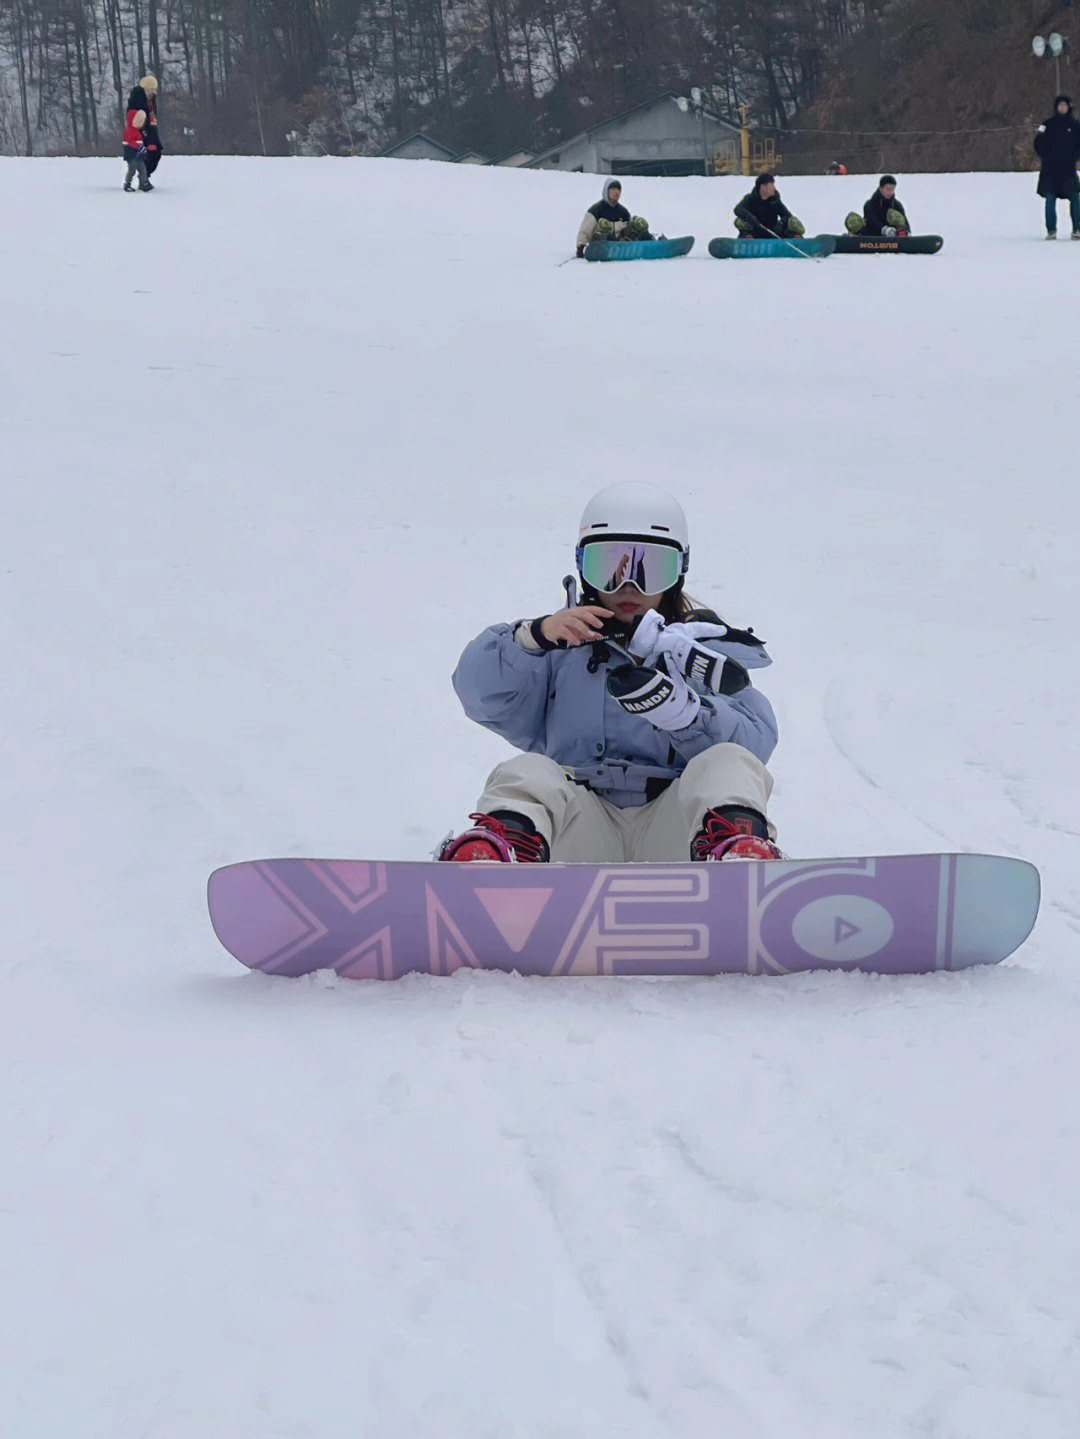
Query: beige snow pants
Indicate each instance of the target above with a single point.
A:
(582, 827)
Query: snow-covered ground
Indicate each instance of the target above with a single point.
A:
(277, 440)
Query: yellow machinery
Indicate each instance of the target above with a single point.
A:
(754, 155)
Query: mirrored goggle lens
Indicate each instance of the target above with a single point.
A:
(608, 564)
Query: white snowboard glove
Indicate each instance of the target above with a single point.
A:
(664, 700)
(697, 649)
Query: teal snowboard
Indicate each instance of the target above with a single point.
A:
(639, 249)
(888, 245)
(816, 246)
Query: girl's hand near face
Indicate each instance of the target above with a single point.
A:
(579, 625)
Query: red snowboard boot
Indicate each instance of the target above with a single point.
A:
(733, 833)
(504, 836)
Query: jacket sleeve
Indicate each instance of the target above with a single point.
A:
(782, 210)
(743, 211)
(1040, 141)
(746, 718)
(587, 228)
(504, 687)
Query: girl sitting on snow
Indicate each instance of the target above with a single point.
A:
(643, 737)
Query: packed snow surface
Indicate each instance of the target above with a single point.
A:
(277, 441)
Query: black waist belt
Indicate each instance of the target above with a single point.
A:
(654, 787)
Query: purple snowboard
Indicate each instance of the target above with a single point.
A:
(908, 914)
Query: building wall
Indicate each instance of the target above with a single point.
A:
(662, 133)
(419, 149)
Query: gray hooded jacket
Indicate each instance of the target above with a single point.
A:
(619, 215)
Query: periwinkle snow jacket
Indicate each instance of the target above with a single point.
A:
(557, 703)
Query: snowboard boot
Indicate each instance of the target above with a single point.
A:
(127, 186)
(503, 836)
(732, 832)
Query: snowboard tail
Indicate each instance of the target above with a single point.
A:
(816, 246)
(639, 249)
(886, 245)
(905, 914)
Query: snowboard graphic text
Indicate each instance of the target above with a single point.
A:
(380, 920)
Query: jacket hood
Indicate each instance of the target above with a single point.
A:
(1058, 99)
(607, 186)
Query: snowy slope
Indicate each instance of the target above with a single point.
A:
(277, 440)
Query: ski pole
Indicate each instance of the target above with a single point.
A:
(785, 241)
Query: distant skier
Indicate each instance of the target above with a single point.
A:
(762, 214)
(142, 144)
(659, 757)
(608, 219)
(1057, 144)
(882, 214)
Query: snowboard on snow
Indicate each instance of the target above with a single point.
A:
(639, 249)
(886, 245)
(905, 914)
(816, 246)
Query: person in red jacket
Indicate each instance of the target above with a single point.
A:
(141, 144)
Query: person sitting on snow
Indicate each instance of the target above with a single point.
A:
(882, 214)
(643, 738)
(606, 220)
(762, 215)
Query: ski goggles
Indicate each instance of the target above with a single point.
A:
(608, 564)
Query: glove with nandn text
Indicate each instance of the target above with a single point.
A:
(664, 700)
(712, 657)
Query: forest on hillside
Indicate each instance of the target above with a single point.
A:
(907, 83)
(350, 76)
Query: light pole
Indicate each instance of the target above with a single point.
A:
(1055, 45)
(696, 103)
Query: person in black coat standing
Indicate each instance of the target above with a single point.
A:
(1057, 144)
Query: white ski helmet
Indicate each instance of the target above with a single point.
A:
(633, 510)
